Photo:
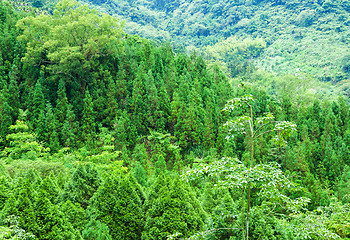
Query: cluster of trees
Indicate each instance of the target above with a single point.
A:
(97, 126)
(293, 30)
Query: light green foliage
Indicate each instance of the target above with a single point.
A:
(246, 124)
(72, 36)
(95, 91)
(234, 56)
(13, 231)
(22, 143)
(74, 214)
(84, 183)
(301, 36)
(171, 208)
(95, 230)
(344, 185)
(267, 179)
(117, 204)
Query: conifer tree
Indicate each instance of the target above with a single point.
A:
(138, 102)
(95, 230)
(83, 184)
(61, 103)
(13, 98)
(112, 102)
(153, 111)
(74, 214)
(170, 209)
(4, 191)
(69, 128)
(51, 127)
(88, 128)
(50, 186)
(120, 132)
(50, 220)
(37, 102)
(160, 165)
(5, 119)
(117, 205)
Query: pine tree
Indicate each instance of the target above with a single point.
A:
(13, 98)
(95, 230)
(117, 205)
(138, 102)
(112, 103)
(88, 128)
(51, 222)
(61, 103)
(82, 186)
(171, 209)
(120, 132)
(37, 103)
(4, 191)
(51, 127)
(74, 214)
(160, 165)
(69, 128)
(5, 119)
(50, 186)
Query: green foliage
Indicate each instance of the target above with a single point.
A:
(301, 36)
(84, 183)
(22, 144)
(100, 100)
(95, 230)
(171, 208)
(117, 204)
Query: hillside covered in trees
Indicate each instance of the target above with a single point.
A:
(300, 36)
(109, 135)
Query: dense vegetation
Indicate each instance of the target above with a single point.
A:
(107, 135)
(301, 36)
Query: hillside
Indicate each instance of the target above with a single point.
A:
(109, 135)
(301, 36)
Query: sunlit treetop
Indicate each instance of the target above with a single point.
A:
(73, 36)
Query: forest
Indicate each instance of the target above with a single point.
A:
(105, 134)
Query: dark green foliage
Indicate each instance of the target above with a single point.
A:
(37, 102)
(88, 127)
(5, 119)
(4, 190)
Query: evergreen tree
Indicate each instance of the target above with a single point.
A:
(51, 127)
(84, 183)
(170, 209)
(69, 128)
(61, 103)
(95, 230)
(112, 103)
(51, 222)
(37, 102)
(138, 102)
(74, 214)
(13, 98)
(88, 128)
(5, 119)
(117, 205)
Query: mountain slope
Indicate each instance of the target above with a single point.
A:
(302, 36)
